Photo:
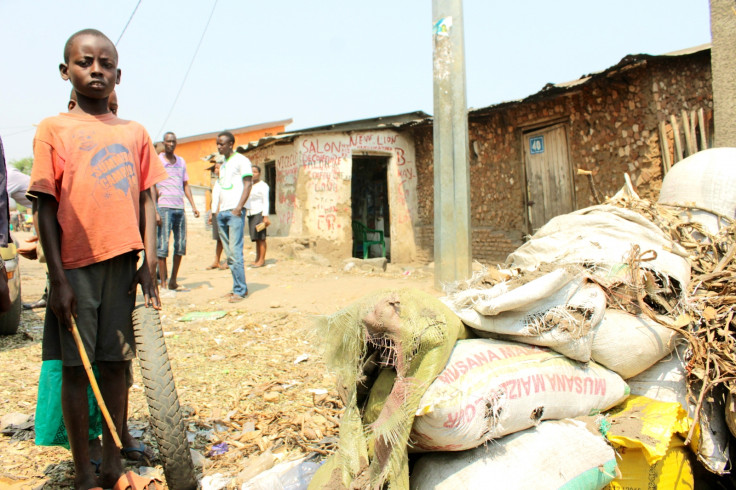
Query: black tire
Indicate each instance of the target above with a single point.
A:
(10, 320)
(163, 401)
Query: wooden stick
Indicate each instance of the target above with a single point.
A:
(701, 123)
(693, 136)
(688, 138)
(666, 163)
(93, 383)
(678, 142)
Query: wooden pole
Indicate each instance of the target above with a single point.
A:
(688, 139)
(95, 387)
(678, 142)
(665, 148)
(703, 134)
(693, 136)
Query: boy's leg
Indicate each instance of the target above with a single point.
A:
(179, 228)
(76, 418)
(218, 252)
(174, 272)
(114, 392)
(162, 271)
(115, 348)
(261, 253)
(237, 267)
(223, 224)
(162, 244)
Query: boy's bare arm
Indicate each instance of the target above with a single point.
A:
(154, 193)
(62, 300)
(145, 275)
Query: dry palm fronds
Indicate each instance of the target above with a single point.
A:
(705, 313)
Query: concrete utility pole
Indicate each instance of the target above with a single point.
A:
(452, 244)
(723, 67)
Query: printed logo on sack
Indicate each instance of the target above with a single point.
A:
(114, 170)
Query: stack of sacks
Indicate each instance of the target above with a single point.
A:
(563, 327)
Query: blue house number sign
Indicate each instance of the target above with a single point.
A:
(536, 145)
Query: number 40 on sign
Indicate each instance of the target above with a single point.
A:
(536, 145)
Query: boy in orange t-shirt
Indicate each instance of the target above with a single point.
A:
(91, 176)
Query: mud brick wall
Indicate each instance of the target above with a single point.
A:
(612, 128)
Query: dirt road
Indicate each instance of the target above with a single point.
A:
(252, 379)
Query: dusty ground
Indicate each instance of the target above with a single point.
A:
(252, 379)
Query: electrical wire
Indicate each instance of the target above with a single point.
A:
(186, 75)
(128, 23)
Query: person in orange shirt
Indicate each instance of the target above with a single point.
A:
(91, 177)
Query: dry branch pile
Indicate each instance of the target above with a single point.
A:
(705, 315)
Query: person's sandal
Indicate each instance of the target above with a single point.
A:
(134, 481)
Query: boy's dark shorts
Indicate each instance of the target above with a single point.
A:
(253, 220)
(104, 310)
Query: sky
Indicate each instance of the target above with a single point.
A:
(316, 62)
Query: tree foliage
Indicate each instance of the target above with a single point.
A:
(23, 164)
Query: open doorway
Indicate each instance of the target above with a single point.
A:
(370, 206)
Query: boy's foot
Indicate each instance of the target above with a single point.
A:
(223, 267)
(173, 285)
(212, 266)
(137, 453)
(41, 303)
(236, 297)
(86, 482)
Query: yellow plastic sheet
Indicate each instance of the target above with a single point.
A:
(647, 436)
(640, 422)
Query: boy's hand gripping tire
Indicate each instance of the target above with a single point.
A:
(163, 401)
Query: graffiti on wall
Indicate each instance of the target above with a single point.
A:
(324, 162)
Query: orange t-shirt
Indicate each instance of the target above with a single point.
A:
(96, 168)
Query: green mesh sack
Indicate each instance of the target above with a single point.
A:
(50, 428)
(386, 349)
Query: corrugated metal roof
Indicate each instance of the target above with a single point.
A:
(552, 89)
(236, 131)
(382, 122)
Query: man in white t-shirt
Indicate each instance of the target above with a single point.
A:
(257, 206)
(236, 181)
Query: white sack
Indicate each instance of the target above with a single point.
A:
(557, 310)
(706, 180)
(602, 235)
(665, 381)
(491, 388)
(552, 455)
(629, 344)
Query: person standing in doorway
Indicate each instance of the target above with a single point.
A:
(236, 181)
(258, 207)
(169, 196)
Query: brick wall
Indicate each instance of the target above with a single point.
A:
(611, 124)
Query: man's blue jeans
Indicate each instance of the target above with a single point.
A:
(231, 236)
